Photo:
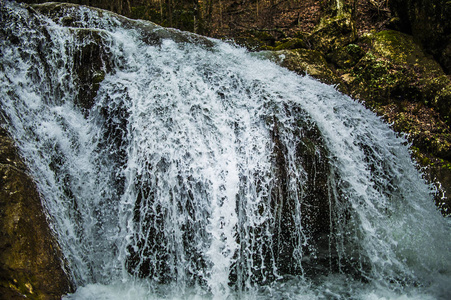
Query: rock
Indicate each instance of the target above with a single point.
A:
(429, 22)
(31, 264)
(396, 69)
(304, 61)
(289, 43)
(333, 33)
(312, 156)
(91, 63)
(442, 98)
(410, 89)
(347, 56)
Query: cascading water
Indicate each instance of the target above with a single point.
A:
(174, 166)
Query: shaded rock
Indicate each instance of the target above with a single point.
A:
(289, 43)
(347, 56)
(31, 263)
(312, 157)
(430, 23)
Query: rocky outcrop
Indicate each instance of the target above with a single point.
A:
(429, 22)
(304, 61)
(31, 264)
(392, 75)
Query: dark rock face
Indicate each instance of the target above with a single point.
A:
(90, 63)
(313, 190)
(430, 23)
(31, 263)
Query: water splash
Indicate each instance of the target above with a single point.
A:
(174, 166)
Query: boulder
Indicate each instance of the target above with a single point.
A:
(395, 69)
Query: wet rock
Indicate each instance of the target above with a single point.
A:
(92, 61)
(91, 64)
(31, 264)
(304, 61)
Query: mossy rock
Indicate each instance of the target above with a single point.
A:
(288, 44)
(377, 80)
(255, 40)
(430, 23)
(399, 81)
(347, 56)
(251, 43)
(396, 69)
(333, 33)
(442, 101)
(438, 172)
(401, 49)
(304, 61)
(431, 140)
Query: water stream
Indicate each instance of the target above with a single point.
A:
(178, 167)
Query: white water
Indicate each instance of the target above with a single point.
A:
(176, 183)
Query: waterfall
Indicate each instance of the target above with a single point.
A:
(179, 167)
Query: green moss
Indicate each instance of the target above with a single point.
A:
(346, 57)
(401, 49)
(394, 69)
(333, 33)
(376, 80)
(305, 61)
(287, 44)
